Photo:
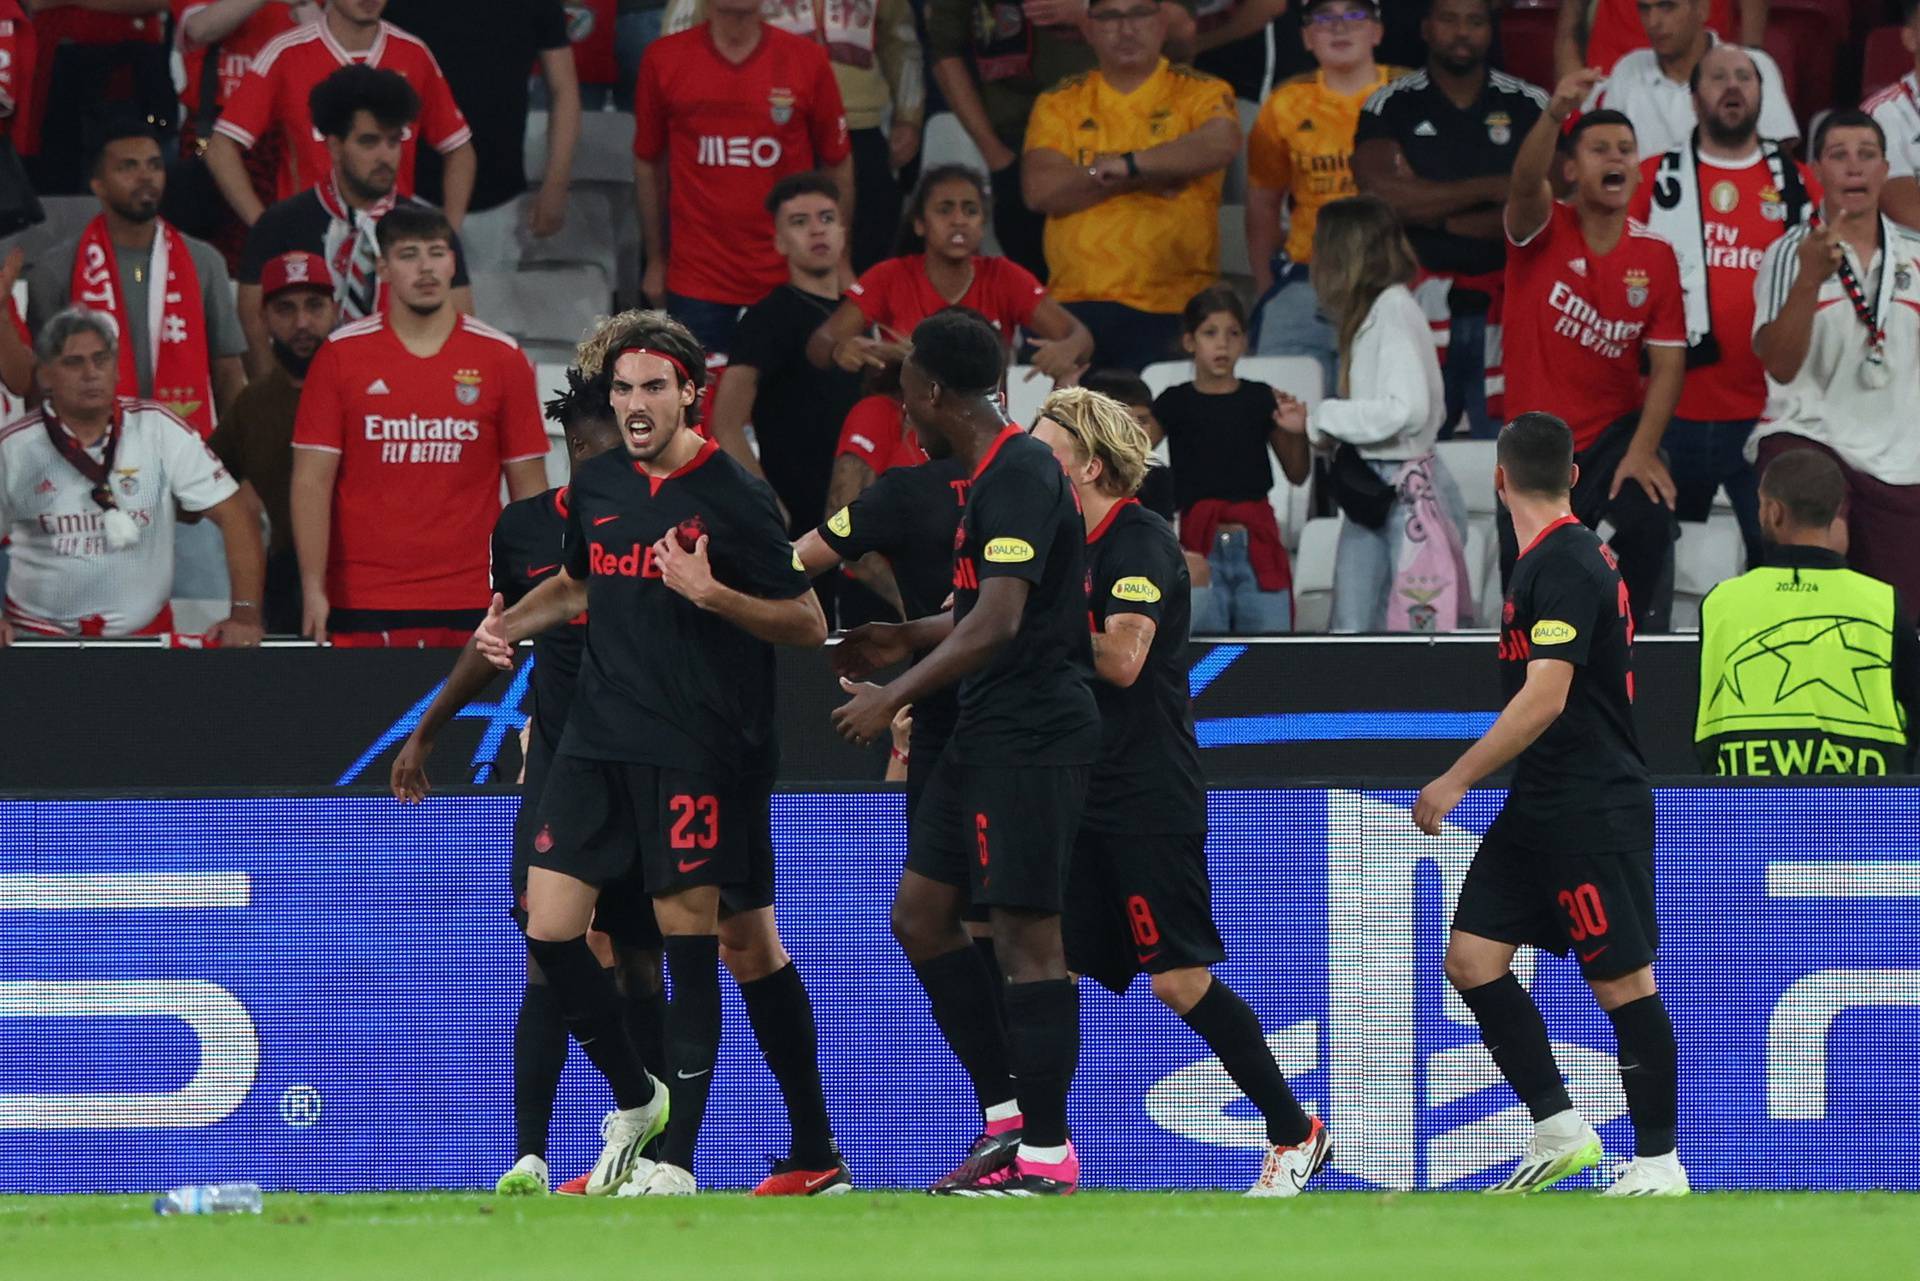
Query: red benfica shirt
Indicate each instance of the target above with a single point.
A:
(897, 294)
(1741, 212)
(421, 442)
(1575, 321)
(273, 95)
(268, 23)
(876, 432)
(729, 132)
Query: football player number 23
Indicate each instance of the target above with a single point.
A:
(696, 822)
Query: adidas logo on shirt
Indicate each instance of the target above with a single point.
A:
(378, 387)
(1305, 126)
(1425, 129)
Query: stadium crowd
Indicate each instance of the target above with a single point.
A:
(282, 266)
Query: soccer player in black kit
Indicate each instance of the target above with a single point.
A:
(1568, 865)
(996, 823)
(526, 549)
(665, 768)
(1137, 896)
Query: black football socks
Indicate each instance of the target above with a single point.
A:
(645, 1014)
(693, 1039)
(782, 1018)
(1232, 1031)
(960, 987)
(590, 1003)
(539, 1053)
(998, 987)
(1516, 1036)
(1650, 1073)
(1043, 1036)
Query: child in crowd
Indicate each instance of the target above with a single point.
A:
(940, 265)
(1219, 429)
(1399, 566)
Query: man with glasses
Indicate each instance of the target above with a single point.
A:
(1127, 162)
(1300, 155)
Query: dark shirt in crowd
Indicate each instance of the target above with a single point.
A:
(1217, 444)
(488, 65)
(300, 224)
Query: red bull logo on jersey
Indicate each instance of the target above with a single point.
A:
(636, 562)
(738, 152)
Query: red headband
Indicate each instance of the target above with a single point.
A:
(681, 369)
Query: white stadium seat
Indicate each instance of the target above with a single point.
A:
(1471, 462)
(543, 309)
(1313, 574)
(1024, 394)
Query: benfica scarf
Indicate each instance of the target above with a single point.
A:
(351, 250)
(176, 320)
(119, 527)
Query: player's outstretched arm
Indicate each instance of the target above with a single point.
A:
(974, 641)
(1523, 720)
(545, 607)
(472, 673)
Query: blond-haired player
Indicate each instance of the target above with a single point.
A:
(1137, 893)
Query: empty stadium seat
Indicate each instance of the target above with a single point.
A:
(1709, 552)
(1805, 42)
(587, 239)
(1025, 394)
(1471, 462)
(1313, 574)
(1482, 555)
(1886, 61)
(603, 154)
(543, 309)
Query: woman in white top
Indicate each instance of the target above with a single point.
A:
(1408, 573)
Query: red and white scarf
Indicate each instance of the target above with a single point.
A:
(176, 319)
(351, 250)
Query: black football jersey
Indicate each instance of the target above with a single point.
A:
(664, 682)
(1581, 787)
(1148, 778)
(1031, 705)
(909, 515)
(526, 552)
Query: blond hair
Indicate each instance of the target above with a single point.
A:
(1359, 252)
(1102, 430)
(604, 339)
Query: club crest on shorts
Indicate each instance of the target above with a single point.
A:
(466, 386)
(544, 841)
(1499, 128)
(1636, 282)
(780, 105)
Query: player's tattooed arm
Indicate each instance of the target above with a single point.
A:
(1524, 719)
(1120, 650)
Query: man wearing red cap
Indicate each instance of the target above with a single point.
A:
(255, 439)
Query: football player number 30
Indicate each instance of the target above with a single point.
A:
(696, 822)
(1586, 915)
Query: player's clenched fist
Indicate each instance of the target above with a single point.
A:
(686, 573)
(490, 638)
(1437, 800)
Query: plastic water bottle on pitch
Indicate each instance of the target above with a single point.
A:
(210, 1198)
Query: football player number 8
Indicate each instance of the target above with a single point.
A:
(686, 811)
(1586, 917)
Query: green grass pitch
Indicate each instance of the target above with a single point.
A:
(1112, 1236)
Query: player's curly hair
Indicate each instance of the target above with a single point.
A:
(1104, 431)
(583, 401)
(655, 329)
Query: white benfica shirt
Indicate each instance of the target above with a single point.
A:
(1896, 109)
(63, 580)
(1661, 109)
(1871, 428)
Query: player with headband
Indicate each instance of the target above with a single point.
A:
(663, 781)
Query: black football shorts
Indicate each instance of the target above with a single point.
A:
(1597, 907)
(666, 830)
(1139, 903)
(1004, 834)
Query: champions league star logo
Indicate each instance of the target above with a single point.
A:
(1772, 666)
